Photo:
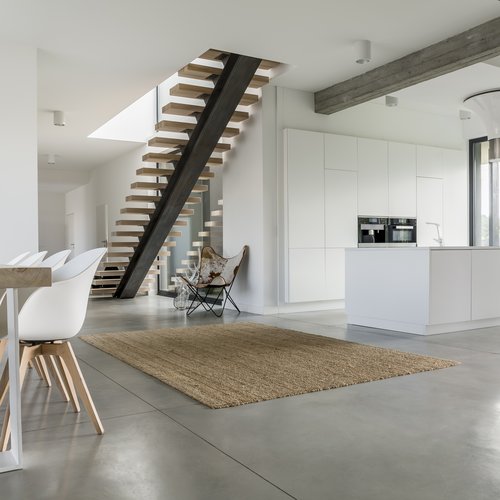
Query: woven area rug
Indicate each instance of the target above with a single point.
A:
(233, 364)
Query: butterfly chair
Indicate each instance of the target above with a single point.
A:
(215, 280)
(48, 319)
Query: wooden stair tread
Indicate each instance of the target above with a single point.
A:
(213, 223)
(138, 234)
(172, 157)
(165, 172)
(148, 211)
(143, 197)
(128, 244)
(181, 109)
(106, 281)
(216, 213)
(155, 186)
(161, 253)
(203, 72)
(145, 222)
(121, 272)
(185, 127)
(199, 92)
(172, 142)
(219, 55)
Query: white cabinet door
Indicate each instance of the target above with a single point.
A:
(455, 198)
(372, 177)
(402, 167)
(429, 209)
(305, 189)
(306, 275)
(429, 162)
(341, 152)
(341, 208)
(335, 273)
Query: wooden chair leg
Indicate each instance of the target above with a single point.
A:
(66, 378)
(3, 347)
(26, 353)
(66, 352)
(4, 382)
(44, 370)
(54, 369)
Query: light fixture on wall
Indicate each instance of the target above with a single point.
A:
(391, 101)
(59, 119)
(363, 51)
(487, 106)
(51, 159)
(464, 114)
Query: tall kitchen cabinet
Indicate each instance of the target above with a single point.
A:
(341, 209)
(321, 206)
(402, 179)
(305, 213)
(373, 187)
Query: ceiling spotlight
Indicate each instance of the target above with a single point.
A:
(59, 119)
(391, 101)
(51, 159)
(363, 51)
(464, 114)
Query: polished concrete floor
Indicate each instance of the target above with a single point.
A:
(432, 435)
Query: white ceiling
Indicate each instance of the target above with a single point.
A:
(96, 57)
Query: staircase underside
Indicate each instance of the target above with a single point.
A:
(221, 103)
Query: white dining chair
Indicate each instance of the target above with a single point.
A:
(47, 321)
(33, 260)
(17, 259)
(56, 260)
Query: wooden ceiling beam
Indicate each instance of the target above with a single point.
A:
(469, 47)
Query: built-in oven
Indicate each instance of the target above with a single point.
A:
(402, 232)
(372, 231)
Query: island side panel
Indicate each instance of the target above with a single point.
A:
(388, 288)
(450, 286)
(486, 284)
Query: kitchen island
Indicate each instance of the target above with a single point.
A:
(423, 290)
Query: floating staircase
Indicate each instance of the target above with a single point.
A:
(162, 198)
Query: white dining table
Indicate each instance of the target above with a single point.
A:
(11, 279)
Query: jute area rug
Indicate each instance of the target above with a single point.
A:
(234, 364)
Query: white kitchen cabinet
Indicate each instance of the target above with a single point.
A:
(341, 208)
(455, 198)
(306, 275)
(372, 177)
(430, 162)
(341, 152)
(335, 273)
(305, 174)
(429, 209)
(402, 173)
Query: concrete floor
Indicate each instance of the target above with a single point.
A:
(432, 435)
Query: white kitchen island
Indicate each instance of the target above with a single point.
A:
(423, 290)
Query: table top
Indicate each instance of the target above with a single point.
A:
(25, 277)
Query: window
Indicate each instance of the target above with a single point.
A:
(484, 192)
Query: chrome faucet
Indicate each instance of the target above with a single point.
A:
(438, 240)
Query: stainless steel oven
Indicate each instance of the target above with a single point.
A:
(402, 232)
(372, 231)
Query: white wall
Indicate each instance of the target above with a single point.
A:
(18, 144)
(109, 184)
(243, 211)
(51, 220)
